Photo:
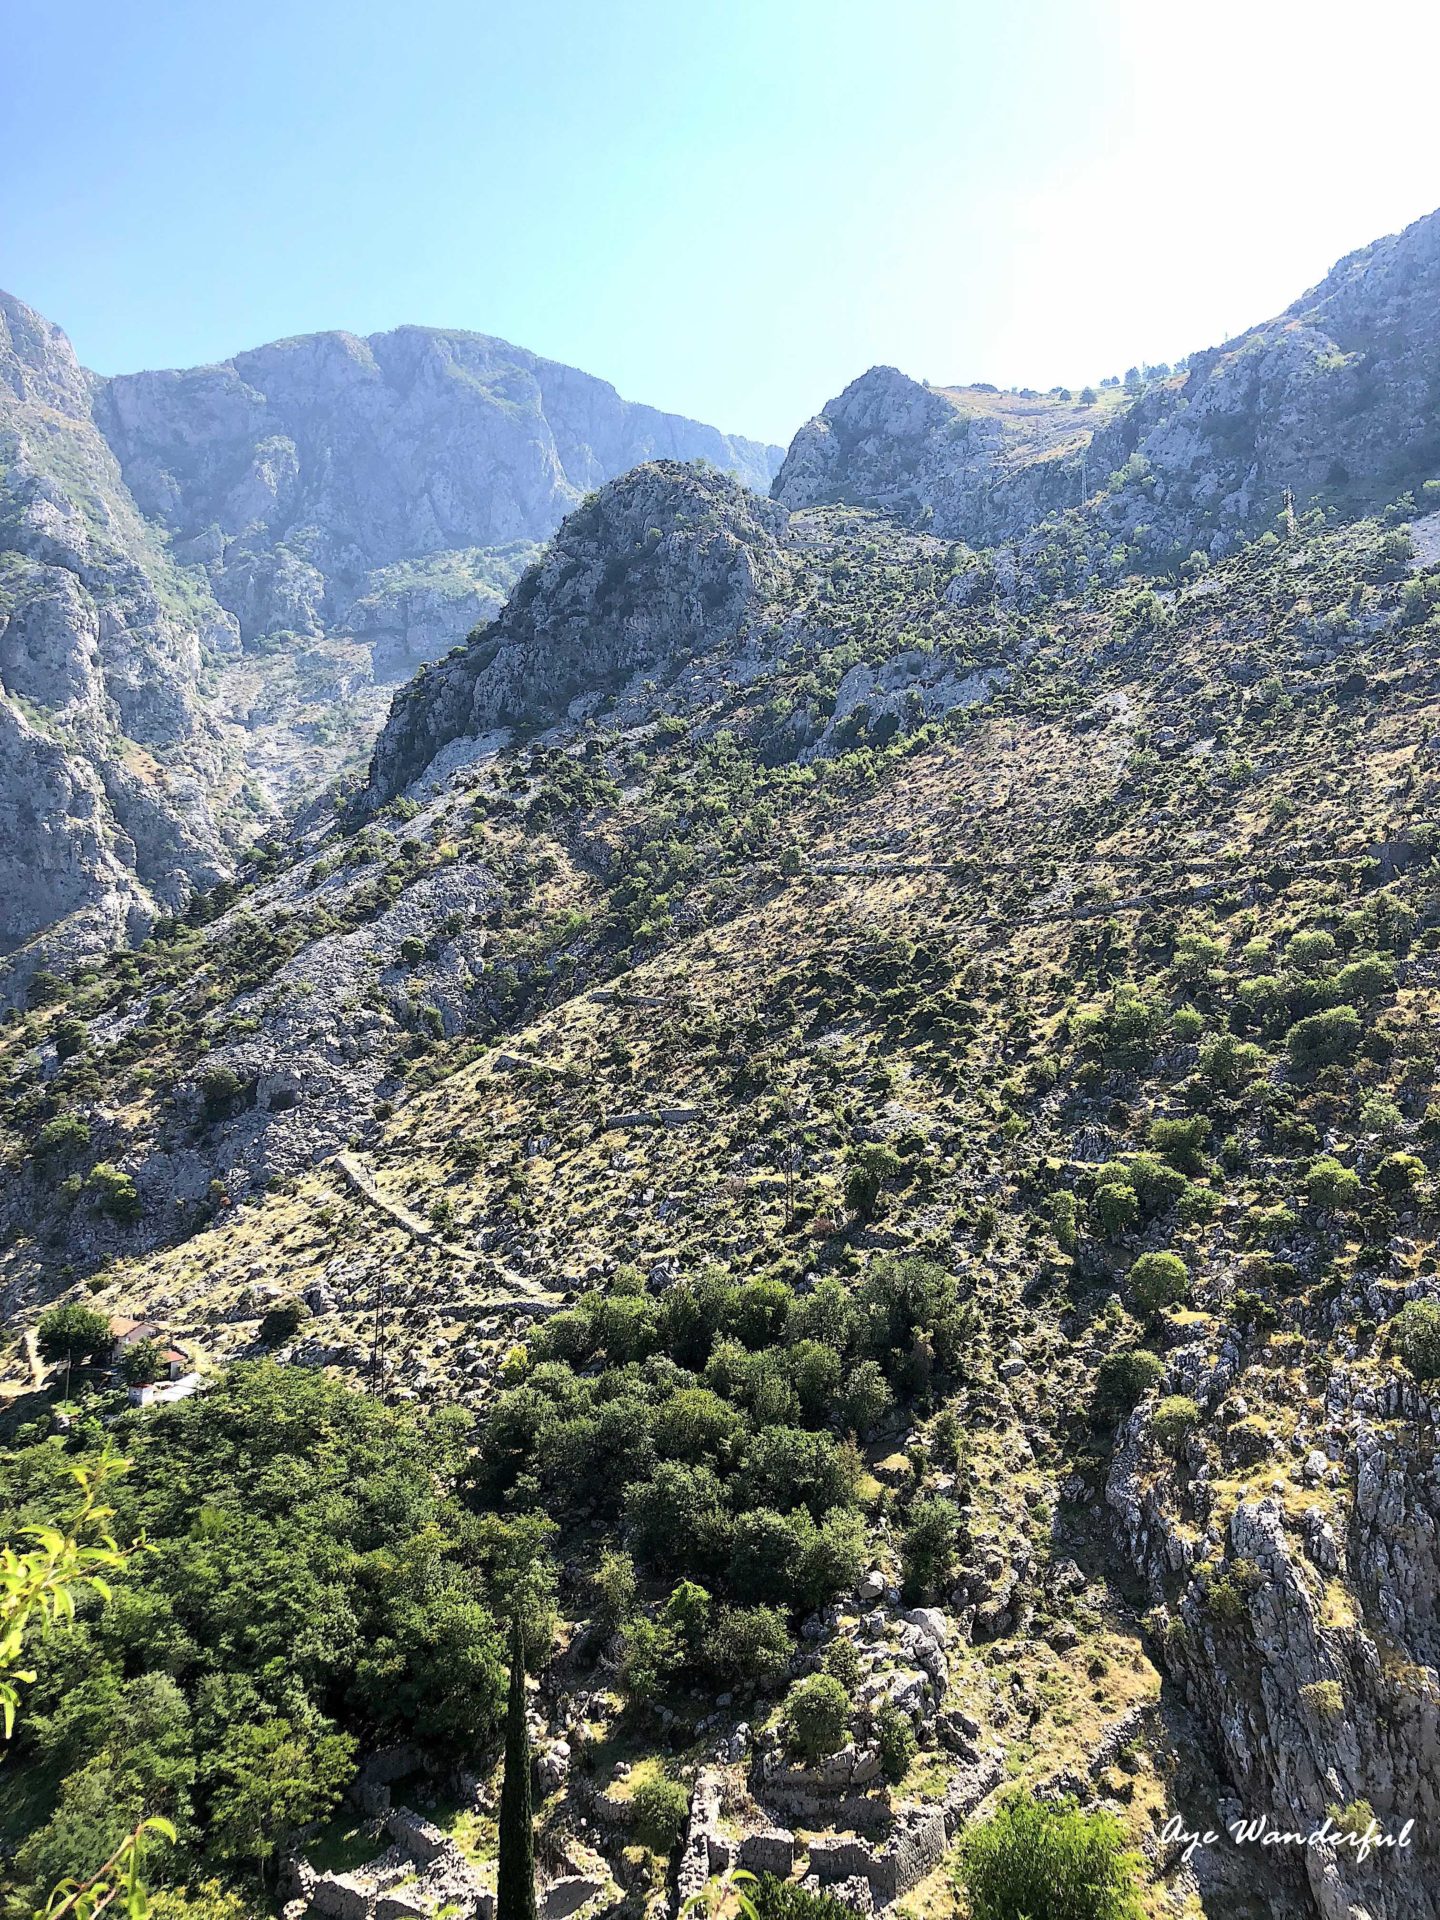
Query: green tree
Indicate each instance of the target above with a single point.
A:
(1415, 1333)
(272, 1776)
(895, 1732)
(72, 1333)
(515, 1879)
(1330, 1185)
(868, 1169)
(1321, 1038)
(817, 1715)
(929, 1543)
(282, 1322)
(1123, 1379)
(662, 1808)
(1157, 1280)
(142, 1363)
(116, 1193)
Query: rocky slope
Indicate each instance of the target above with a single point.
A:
(795, 985)
(663, 565)
(210, 579)
(108, 766)
(334, 484)
(1332, 401)
(1022, 902)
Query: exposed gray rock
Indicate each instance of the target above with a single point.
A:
(1331, 397)
(660, 565)
(210, 576)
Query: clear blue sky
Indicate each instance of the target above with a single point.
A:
(726, 207)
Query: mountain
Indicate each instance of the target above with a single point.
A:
(1334, 402)
(212, 577)
(846, 1120)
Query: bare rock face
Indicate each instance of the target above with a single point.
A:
(106, 756)
(1335, 399)
(301, 475)
(204, 574)
(661, 564)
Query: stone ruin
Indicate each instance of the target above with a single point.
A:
(421, 1871)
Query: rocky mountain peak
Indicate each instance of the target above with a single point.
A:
(230, 566)
(663, 562)
(37, 361)
(1331, 403)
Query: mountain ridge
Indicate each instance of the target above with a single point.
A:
(277, 538)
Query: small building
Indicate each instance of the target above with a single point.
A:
(129, 1333)
(126, 1333)
(162, 1393)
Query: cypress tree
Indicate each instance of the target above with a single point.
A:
(515, 1883)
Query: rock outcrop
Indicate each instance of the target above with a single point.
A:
(389, 487)
(662, 564)
(107, 760)
(1332, 400)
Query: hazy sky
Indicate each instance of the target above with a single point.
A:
(726, 207)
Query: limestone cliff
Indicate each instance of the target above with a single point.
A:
(107, 760)
(210, 579)
(659, 565)
(300, 476)
(1333, 402)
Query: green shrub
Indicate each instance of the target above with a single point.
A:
(1320, 1039)
(1187, 1025)
(1158, 1280)
(1227, 1594)
(66, 1133)
(1116, 1205)
(866, 1400)
(115, 1192)
(788, 1900)
(817, 1716)
(71, 1036)
(220, 1088)
(283, 1321)
(842, 1660)
(748, 1646)
(1062, 1220)
(662, 1808)
(1311, 952)
(1032, 1859)
(929, 1543)
(1399, 1174)
(1175, 1419)
(1415, 1336)
(1181, 1142)
(868, 1169)
(895, 1733)
(1330, 1185)
(1325, 1700)
(1123, 1380)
